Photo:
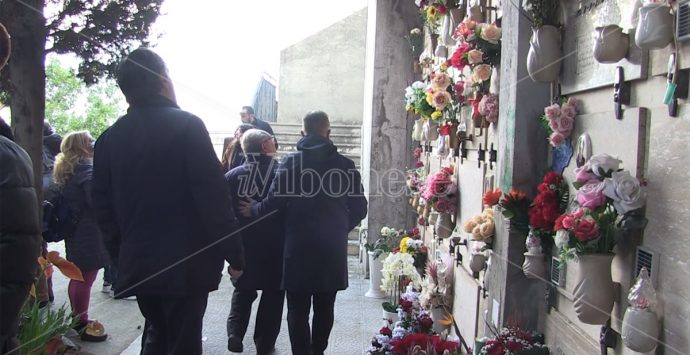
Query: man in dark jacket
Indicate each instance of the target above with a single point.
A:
(321, 193)
(247, 116)
(20, 235)
(163, 207)
(263, 248)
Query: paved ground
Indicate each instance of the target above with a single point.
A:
(357, 318)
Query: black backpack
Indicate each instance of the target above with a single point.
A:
(59, 222)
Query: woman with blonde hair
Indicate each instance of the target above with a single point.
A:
(72, 174)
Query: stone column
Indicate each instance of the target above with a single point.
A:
(386, 130)
(522, 161)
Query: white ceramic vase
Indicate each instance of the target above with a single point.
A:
(375, 266)
(610, 44)
(654, 26)
(390, 318)
(444, 225)
(534, 266)
(418, 130)
(544, 56)
(430, 130)
(593, 291)
(640, 330)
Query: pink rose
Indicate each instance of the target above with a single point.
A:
(552, 112)
(441, 205)
(568, 221)
(475, 56)
(579, 213)
(481, 73)
(556, 139)
(587, 229)
(565, 126)
(591, 195)
(440, 100)
(554, 123)
(583, 175)
(568, 111)
(459, 88)
(574, 103)
(440, 81)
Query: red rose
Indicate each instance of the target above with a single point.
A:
(444, 130)
(569, 221)
(536, 219)
(426, 322)
(406, 305)
(543, 187)
(550, 214)
(550, 197)
(558, 225)
(386, 331)
(442, 9)
(587, 229)
(552, 178)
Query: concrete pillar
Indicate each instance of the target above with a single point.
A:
(386, 130)
(522, 161)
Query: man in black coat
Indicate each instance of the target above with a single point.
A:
(321, 193)
(163, 207)
(20, 235)
(263, 247)
(247, 116)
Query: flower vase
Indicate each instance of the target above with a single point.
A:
(439, 316)
(654, 26)
(430, 130)
(477, 262)
(434, 41)
(444, 226)
(593, 290)
(433, 217)
(640, 330)
(534, 266)
(453, 141)
(456, 16)
(390, 318)
(544, 56)
(418, 130)
(375, 266)
(426, 212)
(610, 44)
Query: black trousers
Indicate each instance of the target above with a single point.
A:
(304, 340)
(173, 324)
(268, 316)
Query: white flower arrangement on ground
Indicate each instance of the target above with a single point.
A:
(396, 265)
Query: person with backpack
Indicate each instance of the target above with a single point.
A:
(84, 246)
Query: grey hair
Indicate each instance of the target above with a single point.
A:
(252, 139)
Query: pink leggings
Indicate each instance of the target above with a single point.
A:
(79, 294)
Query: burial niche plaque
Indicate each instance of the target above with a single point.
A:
(580, 70)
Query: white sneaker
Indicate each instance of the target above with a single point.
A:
(106, 288)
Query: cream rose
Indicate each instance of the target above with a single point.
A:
(475, 56)
(481, 73)
(440, 81)
(490, 33)
(625, 191)
(478, 219)
(561, 239)
(468, 226)
(440, 100)
(602, 164)
(477, 233)
(487, 229)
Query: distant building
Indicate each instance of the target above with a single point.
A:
(326, 72)
(264, 100)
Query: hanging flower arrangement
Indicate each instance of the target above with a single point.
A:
(440, 191)
(416, 99)
(558, 120)
(609, 198)
(433, 11)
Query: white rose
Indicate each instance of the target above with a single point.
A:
(602, 164)
(561, 238)
(625, 191)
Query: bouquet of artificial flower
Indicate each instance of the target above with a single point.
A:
(440, 191)
(558, 120)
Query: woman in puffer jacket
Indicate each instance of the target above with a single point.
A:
(72, 174)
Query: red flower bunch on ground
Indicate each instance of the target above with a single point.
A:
(547, 204)
(405, 345)
(512, 340)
